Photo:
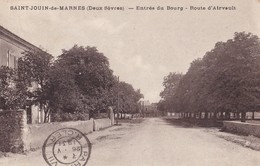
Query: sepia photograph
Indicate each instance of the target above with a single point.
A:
(129, 83)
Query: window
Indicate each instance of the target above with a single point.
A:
(8, 56)
(11, 60)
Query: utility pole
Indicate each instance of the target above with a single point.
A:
(117, 117)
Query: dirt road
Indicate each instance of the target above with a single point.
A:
(155, 142)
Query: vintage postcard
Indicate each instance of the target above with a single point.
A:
(129, 83)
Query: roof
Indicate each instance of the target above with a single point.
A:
(17, 39)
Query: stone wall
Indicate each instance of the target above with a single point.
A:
(18, 136)
(11, 131)
(36, 134)
(242, 128)
(101, 124)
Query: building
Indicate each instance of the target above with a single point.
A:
(11, 48)
(149, 109)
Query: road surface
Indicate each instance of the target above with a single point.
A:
(155, 142)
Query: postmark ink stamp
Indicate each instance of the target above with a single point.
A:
(67, 146)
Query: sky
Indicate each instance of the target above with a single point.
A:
(142, 46)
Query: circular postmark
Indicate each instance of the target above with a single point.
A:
(67, 146)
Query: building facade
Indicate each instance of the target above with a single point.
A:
(12, 48)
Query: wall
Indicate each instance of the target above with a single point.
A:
(242, 128)
(18, 136)
(12, 125)
(11, 49)
(37, 133)
(101, 124)
(34, 114)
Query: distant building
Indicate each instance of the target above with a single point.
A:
(149, 109)
(11, 48)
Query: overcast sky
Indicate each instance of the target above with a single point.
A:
(142, 46)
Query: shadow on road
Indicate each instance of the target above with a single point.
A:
(193, 123)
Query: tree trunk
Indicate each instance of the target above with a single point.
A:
(237, 116)
(196, 115)
(46, 116)
(117, 116)
(199, 115)
(221, 115)
(253, 115)
(206, 115)
(227, 115)
(243, 117)
(214, 116)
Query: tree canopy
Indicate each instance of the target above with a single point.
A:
(226, 79)
(12, 93)
(79, 81)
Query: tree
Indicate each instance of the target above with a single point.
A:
(236, 74)
(12, 93)
(192, 89)
(91, 74)
(128, 97)
(169, 100)
(33, 72)
(226, 79)
(62, 91)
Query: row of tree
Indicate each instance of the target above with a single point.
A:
(226, 80)
(78, 81)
